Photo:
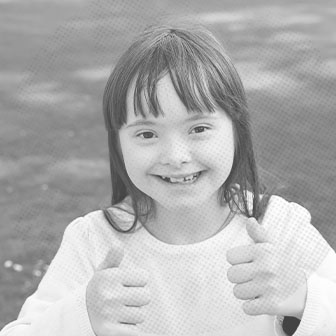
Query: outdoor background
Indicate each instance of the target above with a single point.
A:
(55, 57)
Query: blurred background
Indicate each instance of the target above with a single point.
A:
(55, 57)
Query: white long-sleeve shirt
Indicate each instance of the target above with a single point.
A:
(190, 292)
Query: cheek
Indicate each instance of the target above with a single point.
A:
(137, 162)
(226, 162)
(220, 151)
(133, 162)
(128, 155)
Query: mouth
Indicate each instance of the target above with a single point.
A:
(183, 180)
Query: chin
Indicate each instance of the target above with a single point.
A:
(183, 204)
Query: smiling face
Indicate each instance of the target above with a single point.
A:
(180, 159)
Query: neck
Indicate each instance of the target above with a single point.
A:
(188, 225)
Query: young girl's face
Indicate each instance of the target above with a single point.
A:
(180, 159)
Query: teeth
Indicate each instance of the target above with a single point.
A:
(189, 178)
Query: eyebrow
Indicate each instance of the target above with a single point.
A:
(144, 122)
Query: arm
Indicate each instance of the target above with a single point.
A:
(58, 306)
(318, 260)
(319, 315)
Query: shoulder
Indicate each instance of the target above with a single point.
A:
(280, 208)
(84, 226)
(95, 222)
(289, 224)
(286, 219)
(95, 233)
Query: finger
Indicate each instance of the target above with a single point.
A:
(242, 273)
(131, 315)
(136, 296)
(123, 330)
(240, 254)
(109, 278)
(112, 259)
(135, 278)
(256, 231)
(258, 306)
(247, 291)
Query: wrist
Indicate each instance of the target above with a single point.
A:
(295, 305)
(300, 299)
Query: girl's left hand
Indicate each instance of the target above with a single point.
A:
(264, 277)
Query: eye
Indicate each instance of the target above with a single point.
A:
(200, 129)
(146, 135)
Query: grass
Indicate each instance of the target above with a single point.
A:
(53, 162)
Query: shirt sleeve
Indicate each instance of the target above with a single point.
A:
(58, 306)
(318, 261)
(319, 315)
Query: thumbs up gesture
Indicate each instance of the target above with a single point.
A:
(264, 277)
(115, 297)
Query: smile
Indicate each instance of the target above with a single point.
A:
(183, 180)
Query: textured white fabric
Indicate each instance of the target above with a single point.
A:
(190, 292)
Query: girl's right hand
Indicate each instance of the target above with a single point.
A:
(115, 298)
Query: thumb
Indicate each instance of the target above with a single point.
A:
(256, 231)
(112, 259)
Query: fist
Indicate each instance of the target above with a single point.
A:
(264, 277)
(115, 298)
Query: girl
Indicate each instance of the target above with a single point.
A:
(180, 251)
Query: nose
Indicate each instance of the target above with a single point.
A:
(175, 152)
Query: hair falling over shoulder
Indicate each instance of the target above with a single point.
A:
(204, 77)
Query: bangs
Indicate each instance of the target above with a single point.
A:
(196, 78)
(201, 72)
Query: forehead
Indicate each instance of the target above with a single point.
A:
(164, 93)
(161, 101)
